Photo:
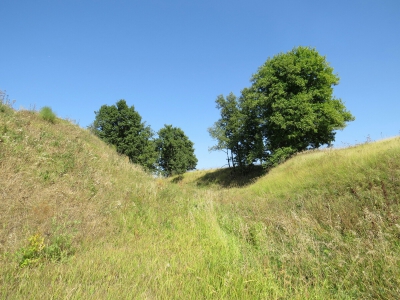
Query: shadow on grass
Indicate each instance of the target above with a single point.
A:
(177, 179)
(229, 177)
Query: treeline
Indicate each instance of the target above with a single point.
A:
(170, 153)
(288, 108)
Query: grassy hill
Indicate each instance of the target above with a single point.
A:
(78, 221)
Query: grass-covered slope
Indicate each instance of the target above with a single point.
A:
(78, 221)
(330, 219)
(326, 223)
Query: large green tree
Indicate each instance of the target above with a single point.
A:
(122, 126)
(289, 107)
(291, 99)
(176, 152)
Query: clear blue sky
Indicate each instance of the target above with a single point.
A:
(171, 59)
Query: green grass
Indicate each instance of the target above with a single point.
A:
(323, 225)
(47, 114)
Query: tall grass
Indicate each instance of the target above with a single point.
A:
(327, 221)
(324, 225)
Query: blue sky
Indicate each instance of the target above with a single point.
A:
(171, 59)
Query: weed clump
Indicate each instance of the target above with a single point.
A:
(32, 253)
(47, 114)
(58, 249)
(5, 102)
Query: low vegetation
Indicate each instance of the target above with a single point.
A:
(47, 114)
(79, 221)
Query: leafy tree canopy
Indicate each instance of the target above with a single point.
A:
(228, 130)
(292, 96)
(289, 107)
(176, 153)
(122, 126)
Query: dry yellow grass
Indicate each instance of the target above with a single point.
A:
(56, 175)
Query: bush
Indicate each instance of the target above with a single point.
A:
(47, 114)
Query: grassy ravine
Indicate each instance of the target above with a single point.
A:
(324, 225)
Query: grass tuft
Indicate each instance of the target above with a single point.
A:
(47, 114)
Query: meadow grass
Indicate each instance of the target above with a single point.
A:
(323, 225)
(328, 219)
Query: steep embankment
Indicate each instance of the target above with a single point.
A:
(58, 178)
(78, 221)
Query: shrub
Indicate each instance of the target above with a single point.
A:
(47, 114)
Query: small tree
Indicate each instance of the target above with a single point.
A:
(291, 101)
(122, 126)
(227, 131)
(176, 153)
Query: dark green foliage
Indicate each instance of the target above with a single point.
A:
(47, 114)
(237, 132)
(122, 126)
(289, 108)
(292, 96)
(228, 130)
(176, 153)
